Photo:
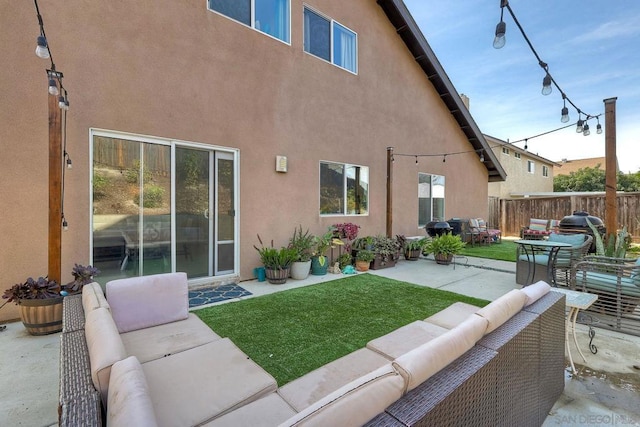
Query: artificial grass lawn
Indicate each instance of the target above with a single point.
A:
(505, 251)
(294, 332)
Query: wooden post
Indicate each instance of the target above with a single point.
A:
(611, 203)
(55, 190)
(389, 191)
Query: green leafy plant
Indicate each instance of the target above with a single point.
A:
(446, 243)
(415, 245)
(363, 243)
(275, 259)
(153, 196)
(616, 245)
(101, 183)
(42, 288)
(302, 243)
(344, 260)
(386, 247)
(365, 255)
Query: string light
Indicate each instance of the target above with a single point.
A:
(42, 50)
(585, 130)
(598, 126)
(564, 114)
(500, 40)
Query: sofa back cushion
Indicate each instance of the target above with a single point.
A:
(535, 291)
(575, 240)
(538, 224)
(93, 297)
(129, 403)
(420, 364)
(502, 309)
(105, 348)
(142, 302)
(355, 403)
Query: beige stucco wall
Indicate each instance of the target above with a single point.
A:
(519, 180)
(180, 71)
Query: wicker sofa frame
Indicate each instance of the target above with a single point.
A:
(512, 376)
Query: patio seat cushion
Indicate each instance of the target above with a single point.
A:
(93, 297)
(536, 224)
(129, 403)
(575, 240)
(502, 309)
(270, 410)
(535, 291)
(166, 339)
(453, 315)
(405, 339)
(105, 348)
(142, 302)
(423, 362)
(319, 383)
(196, 386)
(355, 403)
(609, 282)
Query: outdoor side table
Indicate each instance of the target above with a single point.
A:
(575, 301)
(530, 247)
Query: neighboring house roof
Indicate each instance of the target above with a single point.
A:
(408, 30)
(565, 167)
(493, 142)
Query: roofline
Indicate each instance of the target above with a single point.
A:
(522, 151)
(408, 30)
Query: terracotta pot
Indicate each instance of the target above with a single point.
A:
(41, 316)
(277, 276)
(362, 265)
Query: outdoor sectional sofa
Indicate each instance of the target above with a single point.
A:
(139, 358)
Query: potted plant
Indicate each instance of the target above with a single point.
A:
(40, 304)
(344, 259)
(413, 248)
(277, 262)
(363, 259)
(81, 276)
(386, 250)
(445, 246)
(319, 262)
(302, 243)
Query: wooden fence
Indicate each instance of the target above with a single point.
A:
(515, 213)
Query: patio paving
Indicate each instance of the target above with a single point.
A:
(605, 391)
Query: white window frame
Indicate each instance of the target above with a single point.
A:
(505, 150)
(332, 22)
(531, 167)
(344, 189)
(517, 155)
(545, 171)
(432, 198)
(253, 21)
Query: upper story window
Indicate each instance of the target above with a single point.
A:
(531, 167)
(344, 189)
(505, 150)
(545, 171)
(517, 155)
(268, 16)
(331, 41)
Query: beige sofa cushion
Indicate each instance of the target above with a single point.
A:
(355, 403)
(535, 291)
(268, 411)
(405, 339)
(142, 302)
(93, 297)
(453, 315)
(423, 362)
(105, 347)
(503, 309)
(169, 338)
(195, 386)
(315, 385)
(129, 403)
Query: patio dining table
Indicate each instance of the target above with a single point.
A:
(530, 247)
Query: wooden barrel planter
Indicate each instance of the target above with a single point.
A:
(277, 276)
(41, 316)
(444, 259)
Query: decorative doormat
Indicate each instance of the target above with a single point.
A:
(211, 294)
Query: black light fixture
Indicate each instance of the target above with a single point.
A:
(53, 86)
(585, 129)
(598, 126)
(526, 143)
(65, 224)
(42, 50)
(499, 40)
(580, 123)
(416, 160)
(481, 157)
(564, 118)
(546, 85)
(68, 160)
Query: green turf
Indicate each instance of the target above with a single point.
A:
(294, 332)
(505, 251)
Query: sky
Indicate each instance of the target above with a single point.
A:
(592, 48)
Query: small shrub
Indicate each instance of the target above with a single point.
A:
(100, 185)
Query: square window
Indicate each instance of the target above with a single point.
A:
(505, 150)
(344, 189)
(517, 155)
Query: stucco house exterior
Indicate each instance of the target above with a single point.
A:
(526, 172)
(196, 126)
(566, 166)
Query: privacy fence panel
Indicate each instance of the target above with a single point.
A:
(516, 213)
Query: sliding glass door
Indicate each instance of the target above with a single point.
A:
(162, 206)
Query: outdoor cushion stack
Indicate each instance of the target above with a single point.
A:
(155, 364)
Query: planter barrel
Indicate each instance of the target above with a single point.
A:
(444, 259)
(278, 276)
(412, 255)
(41, 316)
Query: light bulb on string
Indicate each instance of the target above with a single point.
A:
(416, 160)
(579, 125)
(42, 50)
(481, 157)
(546, 85)
(53, 87)
(444, 158)
(585, 130)
(526, 143)
(598, 127)
(500, 40)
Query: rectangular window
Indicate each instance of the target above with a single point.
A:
(344, 189)
(271, 17)
(505, 150)
(331, 41)
(517, 155)
(430, 198)
(545, 171)
(531, 167)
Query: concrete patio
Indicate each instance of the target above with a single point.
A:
(605, 391)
